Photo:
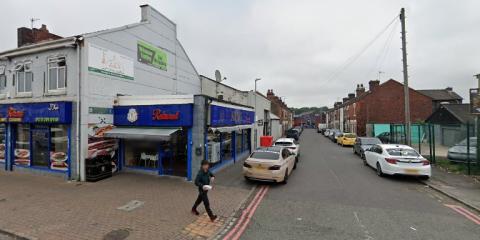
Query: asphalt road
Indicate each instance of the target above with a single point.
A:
(332, 195)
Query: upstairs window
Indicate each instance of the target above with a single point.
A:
(24, 75)
(3, 78)
(57, 74)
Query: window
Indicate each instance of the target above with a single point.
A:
(57, 74)
(3, 78)
(402, 152)
(24, 75)
(265, 155)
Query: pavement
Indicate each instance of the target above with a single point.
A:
(126, 206)
(332, 195)
(464, 189)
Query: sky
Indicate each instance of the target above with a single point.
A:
(312, 53)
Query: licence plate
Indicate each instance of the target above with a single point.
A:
(411, 171)
(260, 167)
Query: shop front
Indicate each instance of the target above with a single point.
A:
(155, 138)
(36, 136)
(229, 133)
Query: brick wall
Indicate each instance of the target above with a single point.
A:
(27, 36)
(385, 104)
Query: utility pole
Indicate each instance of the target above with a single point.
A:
(477, 129)
(405, 80)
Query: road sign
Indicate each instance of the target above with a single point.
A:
(474, 101)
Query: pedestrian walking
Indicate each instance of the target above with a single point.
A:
(202, 181)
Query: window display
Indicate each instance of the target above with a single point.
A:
(143, 154)
(40, 144)
(22, 145)
(3, 136)
(238, 142)
(59, 147)
(246, 141)
(226, 150)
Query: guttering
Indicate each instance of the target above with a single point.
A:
(78, 109)
(39, 47)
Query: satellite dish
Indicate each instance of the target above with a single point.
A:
(218, 76)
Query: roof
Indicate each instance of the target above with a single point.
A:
(459, 113)
(441, 94)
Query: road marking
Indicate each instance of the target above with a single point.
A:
(246, 215)
(471, 216)
(336, 177)
(363, 227)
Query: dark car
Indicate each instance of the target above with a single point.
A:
(395, 137)
(458, 153)
(293, 133)
(334, 133)
(364, 143)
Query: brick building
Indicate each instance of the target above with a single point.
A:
(26, 36)
(280, 109)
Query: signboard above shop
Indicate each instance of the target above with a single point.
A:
(45, 112)
(175, 115)
(230, 116)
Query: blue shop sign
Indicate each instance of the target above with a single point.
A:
(44, 112)
(225, 116)
(176, 115)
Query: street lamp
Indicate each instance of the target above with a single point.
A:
(256, 80)
(256, 117)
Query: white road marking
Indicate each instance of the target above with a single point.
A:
(363, 227)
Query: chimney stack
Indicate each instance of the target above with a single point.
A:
(360, 89)
(449, 89)
(344, 100)
(351, 96)
(373, 84)
(27, 36)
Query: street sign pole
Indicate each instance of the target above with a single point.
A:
(478, 126)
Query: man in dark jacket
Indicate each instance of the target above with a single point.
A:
(204, 177)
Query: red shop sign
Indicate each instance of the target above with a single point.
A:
(159, 115)
(12, 113)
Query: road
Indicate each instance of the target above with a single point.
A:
(332, 195)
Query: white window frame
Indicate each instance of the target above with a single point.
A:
(3, 72)
(23, 66)
(54, 60)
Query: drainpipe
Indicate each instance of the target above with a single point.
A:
(78, 119)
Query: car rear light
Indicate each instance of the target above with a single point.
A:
(391, 160)
(247, 165)
(425, 162)
(274, 167)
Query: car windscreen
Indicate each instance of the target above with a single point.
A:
(402, 152)
(265, 155)
(350, 135)
(370, 141)
(283, 144)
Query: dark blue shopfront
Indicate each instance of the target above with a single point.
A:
(229, 134)
(36, 136)
(154, 138)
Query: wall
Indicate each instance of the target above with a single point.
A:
(212, 88)
(261, 104)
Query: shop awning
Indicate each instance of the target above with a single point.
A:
(141, 133)
(231, 128)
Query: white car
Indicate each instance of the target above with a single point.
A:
(269, 164)
(290, 144)
(393, 159)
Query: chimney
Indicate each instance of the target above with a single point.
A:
(373, 84)
(360, 89)
(27, 36)
(344, 100)
(351, 96)
(270, 93)
(449, 89)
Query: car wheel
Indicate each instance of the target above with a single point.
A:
(285, 178)
(425, 178)
(379, 170)
(364, 160)
(295, 165)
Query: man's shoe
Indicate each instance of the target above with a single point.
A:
(195, 212)
(213, 218)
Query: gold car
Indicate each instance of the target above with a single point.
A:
(347, 139)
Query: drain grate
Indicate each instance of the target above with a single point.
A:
(118, 234)
(132, 205)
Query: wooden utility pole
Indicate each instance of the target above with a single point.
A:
(405, 80)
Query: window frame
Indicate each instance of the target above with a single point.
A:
(22, 66)
(55, 60)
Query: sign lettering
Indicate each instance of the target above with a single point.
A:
(158, 115)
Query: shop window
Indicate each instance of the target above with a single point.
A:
(141, 154)
(57, 74)
(3, 136)
(40, 144)
(238, 142)
(24, 76)
(213, 139)
(59, 147)
(246, 140)
(22, 145)
(174, 154)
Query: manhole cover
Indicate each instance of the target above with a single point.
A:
(132, 205)
(118, 234)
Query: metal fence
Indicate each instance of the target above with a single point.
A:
(452, 147)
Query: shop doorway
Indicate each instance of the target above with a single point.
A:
(40, 146)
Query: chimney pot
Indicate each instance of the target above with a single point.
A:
(373, 84)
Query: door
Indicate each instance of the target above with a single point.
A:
(40, 146)
(371, 155)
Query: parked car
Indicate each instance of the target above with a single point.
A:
(393, 159)
(293, 133)
(334, 135)
(290, 144)
(269, 164)
(387, 137)
(364, 143)
(347, 139)
(458, 153)
(326, 133)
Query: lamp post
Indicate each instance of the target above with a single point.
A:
(256, 117)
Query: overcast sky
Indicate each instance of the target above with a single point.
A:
(298, 47)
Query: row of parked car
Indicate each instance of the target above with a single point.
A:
(386, 159)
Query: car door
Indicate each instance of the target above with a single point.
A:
(372, 155)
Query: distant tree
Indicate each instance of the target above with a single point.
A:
(314, 110)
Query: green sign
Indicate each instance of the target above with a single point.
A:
(151, 55)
